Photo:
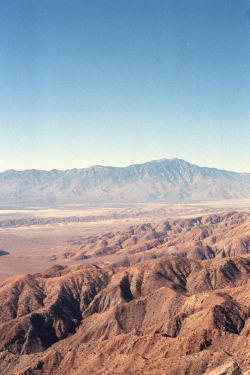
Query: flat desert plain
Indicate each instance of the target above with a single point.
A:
(33, 239)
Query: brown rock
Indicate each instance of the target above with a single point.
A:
(229, 368)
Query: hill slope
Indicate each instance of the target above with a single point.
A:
(204, 237)
(171, 180)
(165, 316)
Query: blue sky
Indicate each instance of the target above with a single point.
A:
(117, 82)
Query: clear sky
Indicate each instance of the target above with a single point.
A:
(117, 82)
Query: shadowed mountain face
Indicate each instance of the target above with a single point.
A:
(165, 316)
(171, 180)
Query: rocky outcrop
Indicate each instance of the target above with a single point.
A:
(229, 368)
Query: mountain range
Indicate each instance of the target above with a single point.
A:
(166, 180)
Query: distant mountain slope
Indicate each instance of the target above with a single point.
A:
(166, 180)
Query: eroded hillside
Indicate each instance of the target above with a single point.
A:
(164, 316)
(204, 237)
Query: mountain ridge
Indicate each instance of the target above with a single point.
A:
(163, 316)
(123, 167)
(168, 180)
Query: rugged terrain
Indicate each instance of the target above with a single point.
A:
(168, 297)
(163, 316)
(203, 237)
(29, 236)
(165, 180)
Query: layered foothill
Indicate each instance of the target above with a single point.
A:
(170, 315)
(204, 237)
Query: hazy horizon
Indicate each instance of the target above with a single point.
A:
(117, 83)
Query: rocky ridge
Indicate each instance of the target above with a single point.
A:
(170, 315)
